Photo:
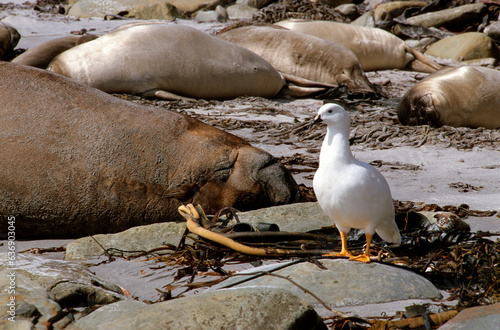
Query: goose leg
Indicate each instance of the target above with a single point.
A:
(343, 252)
(365, 257)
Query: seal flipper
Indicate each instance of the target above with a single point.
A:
(422, 63)
(158, 93)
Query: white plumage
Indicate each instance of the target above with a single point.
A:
(352, 193)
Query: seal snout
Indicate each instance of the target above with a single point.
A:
(418, 110)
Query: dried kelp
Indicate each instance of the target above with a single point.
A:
(380, 129)
(373, 126)
(302, 9)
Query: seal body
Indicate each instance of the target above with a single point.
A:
(168, 59)
(76, 161)
(376, 49)
(41, 55)
(465, 96)
(302, 55)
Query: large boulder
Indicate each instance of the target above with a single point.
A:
(451, 17)
(40, 288)
(140, 238)
(479, 317)
(249, 308)
(341, 283)
(464, 47)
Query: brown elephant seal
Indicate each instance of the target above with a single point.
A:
(465, 96)
(9, 37)
(301, 55)
(169, 61)
(376, 49)
(41, 55)
(77, 161)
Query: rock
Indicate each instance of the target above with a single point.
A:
(465, 46)
(217, 15)
(160, 11)
(20, 324)
(493, 31)
(101, 318)
(420, 44)
(343, 283)
(140, 238)
(449, 17)
(99, 8)
(149, 9)
(192, 6)
(241, 12)
(254, 3)
(249, 308)
(390, 10)
(68, 284)
(27, 301)
(297, 217)
(480, 317)
(487, 62)
(348, 9)
(366, 19)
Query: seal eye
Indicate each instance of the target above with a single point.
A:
(330, 111)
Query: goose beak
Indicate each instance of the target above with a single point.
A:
(317, 119)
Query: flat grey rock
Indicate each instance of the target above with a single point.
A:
(248, 308)
(475, 318)
(21, 299)
(108, 314)
(67, 283)
(140, 238)
(297, 217)
(343, 283)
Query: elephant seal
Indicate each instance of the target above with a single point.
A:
(41, 55)
(76, 161)
(301, 55)
(376, 49)
(465, 96)
(168, 61)
(9, 37)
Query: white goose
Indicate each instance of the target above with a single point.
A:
(352, 193)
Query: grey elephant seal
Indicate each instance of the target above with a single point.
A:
(168, 61)
(376, 49)
(465, 96)
(303, 56)
(9, 37)
(41, 55)
(77, 161)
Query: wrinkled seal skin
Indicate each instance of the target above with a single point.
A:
(9, 37)
(40, 56)
(75, 161)
(302, 55)
(157, 59)
(465, 96)
(376, 49)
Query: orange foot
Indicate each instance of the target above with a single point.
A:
(338, 254)
(362, 257)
